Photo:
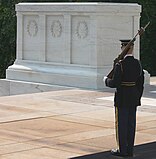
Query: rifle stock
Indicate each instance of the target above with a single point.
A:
(124, 52)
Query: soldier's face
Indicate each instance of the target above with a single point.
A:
(123, 47)
(130, 50)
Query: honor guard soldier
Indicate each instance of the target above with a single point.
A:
(128, 79)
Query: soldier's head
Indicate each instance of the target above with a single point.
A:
(124, 43)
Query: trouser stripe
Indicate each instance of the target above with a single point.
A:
(116, 126)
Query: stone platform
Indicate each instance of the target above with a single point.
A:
(72, 123)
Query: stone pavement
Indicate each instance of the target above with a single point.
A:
(72, 123)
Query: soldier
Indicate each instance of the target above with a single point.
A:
(128, 79)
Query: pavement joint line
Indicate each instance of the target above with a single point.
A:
(82, 122)
(20, 120)
(140, 122)
(146, 121)
(60, 149)
(55, 137)
(20, 151)
(53, 111)
(66, 100)
(95, 146)
(144, 129)
(13, 106)
(68, 142)
(17, 142)
(96, 119)
(44, 138)
(67, 150)
(149, 129)
(32, 118)
(90, 139)
(76, 112)
(13, 143)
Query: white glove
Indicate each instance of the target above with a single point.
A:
(104, 78)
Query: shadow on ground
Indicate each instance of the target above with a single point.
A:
(144, 151)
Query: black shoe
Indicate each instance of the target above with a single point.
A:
(130, 155)
(116, 152)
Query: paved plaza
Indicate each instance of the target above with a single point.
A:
(71, 124)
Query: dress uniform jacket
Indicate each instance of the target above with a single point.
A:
(128, 79)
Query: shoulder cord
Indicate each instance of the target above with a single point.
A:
(140, 67)
(121, 67)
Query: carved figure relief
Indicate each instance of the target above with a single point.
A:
(32, 28)
(82, 30)
(56, 28)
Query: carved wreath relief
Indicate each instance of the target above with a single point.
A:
(82, 30)
(56, 28)
(32, 28)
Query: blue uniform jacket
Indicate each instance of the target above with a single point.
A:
(128, 79)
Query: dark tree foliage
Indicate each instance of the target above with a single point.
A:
(148, 47)
(8, 31)
(7, 35)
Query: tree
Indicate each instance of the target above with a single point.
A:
(7, 35)
(148, 47)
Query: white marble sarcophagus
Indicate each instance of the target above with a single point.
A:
(71, 44)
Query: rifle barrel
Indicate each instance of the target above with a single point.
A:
(140, 32)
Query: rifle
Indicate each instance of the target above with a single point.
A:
(127, 47)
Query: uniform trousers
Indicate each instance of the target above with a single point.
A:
(125, 128)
